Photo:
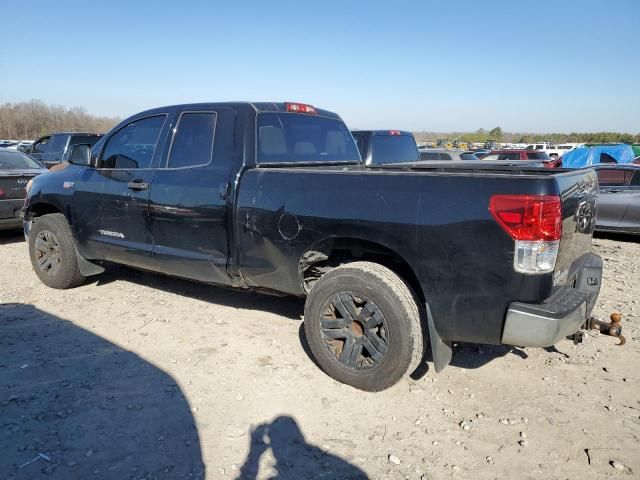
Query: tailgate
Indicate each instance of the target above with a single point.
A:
(578, 192)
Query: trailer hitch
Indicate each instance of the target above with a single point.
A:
(612, 328)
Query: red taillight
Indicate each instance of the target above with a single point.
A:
(394, 132)
(528, 217)
(300, 108)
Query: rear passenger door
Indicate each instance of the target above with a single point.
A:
(110, 202)
(188, 204)
(613, 198)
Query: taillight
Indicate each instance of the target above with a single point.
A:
(535, 223)
(300, 108)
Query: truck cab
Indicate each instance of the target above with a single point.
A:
(53, 148)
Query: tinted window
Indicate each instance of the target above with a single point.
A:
(611, 177)
(16, 161)
(510, 156)
(84, 139)
(537, 156)
(468, 156)
(444, 156)
(133, 145)
(394, 149)
(193, 141)
(361, 142)
(58, 143)
(42, 146)
(292, 137)
(539, 147)
(429, 156)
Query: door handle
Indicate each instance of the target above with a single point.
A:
(138, 185)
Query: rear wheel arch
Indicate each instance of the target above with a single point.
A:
(329, 253)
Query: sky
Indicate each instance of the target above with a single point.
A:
(543, 66)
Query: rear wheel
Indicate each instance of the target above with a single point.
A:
(362, 323)
(53, 253)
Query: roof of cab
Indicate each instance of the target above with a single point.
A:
(256, 106)
(384, 132)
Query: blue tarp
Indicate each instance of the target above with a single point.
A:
(585, 156)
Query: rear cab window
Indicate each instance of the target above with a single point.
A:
(394, 149)
(285, 138)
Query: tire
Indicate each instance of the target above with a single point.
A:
(53, 252)
(363, 326)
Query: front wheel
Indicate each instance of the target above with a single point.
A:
(53, 253)
(363, 326)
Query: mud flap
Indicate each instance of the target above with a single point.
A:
(440, 350)
(86, 267)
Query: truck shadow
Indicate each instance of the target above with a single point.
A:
(291, 456)
(8, 237)
(286, 306)
(73, 405)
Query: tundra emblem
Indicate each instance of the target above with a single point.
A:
(584, 217)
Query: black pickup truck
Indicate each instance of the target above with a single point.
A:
(378, 147)
(274, 197)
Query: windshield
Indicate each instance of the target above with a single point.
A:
(297, 138)
(394, 149)
(17, 161)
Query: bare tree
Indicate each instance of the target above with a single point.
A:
(29, 120)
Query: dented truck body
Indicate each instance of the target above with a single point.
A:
(260, 212)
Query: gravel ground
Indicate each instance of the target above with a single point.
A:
(134, 375)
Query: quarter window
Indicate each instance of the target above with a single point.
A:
(193, 140)
(133, 145)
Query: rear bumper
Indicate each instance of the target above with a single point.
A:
(562, 314)
(10, 213)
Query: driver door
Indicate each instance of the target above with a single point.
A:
(111, 201)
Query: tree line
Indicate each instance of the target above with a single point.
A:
(498, 135)
(32, 119)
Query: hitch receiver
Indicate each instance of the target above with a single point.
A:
(612, 328)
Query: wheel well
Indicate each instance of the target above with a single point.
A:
(328, 254)
(40, 209)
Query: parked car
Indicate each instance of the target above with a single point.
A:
(553, 151)
(440, 154)
(53, 149)
(515, 154)
(274, 197)
(24, 145)
(479, 153)
(619, 198)
(385, 146)
(16, 169)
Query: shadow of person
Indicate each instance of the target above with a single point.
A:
(73, 405)
(294, 458)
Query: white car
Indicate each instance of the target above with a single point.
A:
(554, 151)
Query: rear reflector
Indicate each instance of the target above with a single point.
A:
(535, 223)
(300, 108)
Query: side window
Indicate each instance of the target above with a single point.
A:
(428, 155)
(635, 178)
(492, 156)
(193, 140)
(445, 156)
(42, 146)
(133, 145)
(57, 143)
(611, 177)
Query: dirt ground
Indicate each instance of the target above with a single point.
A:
(134, 375)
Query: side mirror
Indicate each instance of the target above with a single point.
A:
(80, 154)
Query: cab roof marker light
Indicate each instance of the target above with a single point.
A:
(394, 132)
(300, 108)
